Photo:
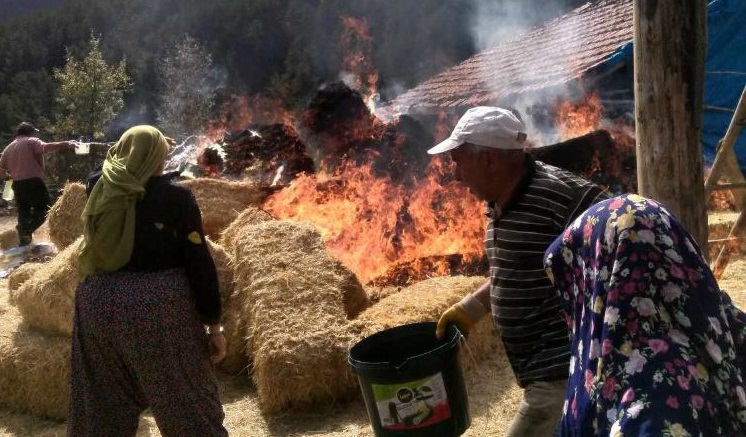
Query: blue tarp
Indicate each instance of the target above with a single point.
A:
(725, 72)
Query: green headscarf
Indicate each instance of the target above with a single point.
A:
(109, 215)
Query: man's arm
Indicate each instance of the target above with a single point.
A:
(482, 294)
(59, 145)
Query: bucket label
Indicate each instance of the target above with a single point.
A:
(413, 404)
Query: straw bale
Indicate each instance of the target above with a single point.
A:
(425, 301)
(221, 201)
(34, 369)
(236, 358)
(9, 238)
(20, 275)
(64, 218)
(249, 216)
(296, 371)
(47, 300)
(294, 297)
(376, 293)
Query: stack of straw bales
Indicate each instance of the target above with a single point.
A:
(36, 348)
(64, 218)
(47, 299)
(296, 301)
(34, 368)
(290, 309)
(222, 201)
(301, 310)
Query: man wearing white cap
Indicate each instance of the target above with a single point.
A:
(529, 204)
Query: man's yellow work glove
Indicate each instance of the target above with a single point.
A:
(464, 314)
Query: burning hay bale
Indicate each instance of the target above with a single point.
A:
(9, 238)
(407, 272)
(34, 368)
(47, 299)
(249, 216)
(294, 298)
(271, 155)
(64, 218)
(221, 201)
(20, 275)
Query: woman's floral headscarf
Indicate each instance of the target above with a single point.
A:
(656, 346)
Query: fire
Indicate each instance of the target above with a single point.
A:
(372, 225)
(238, 112)
(579, 118)
(356, 43)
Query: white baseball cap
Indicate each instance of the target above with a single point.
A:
(486, 126)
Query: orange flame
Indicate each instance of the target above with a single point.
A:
(238, 112)
(580, 118)
(371, 224)
(356, 45)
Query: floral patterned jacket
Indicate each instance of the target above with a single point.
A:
(657, 348)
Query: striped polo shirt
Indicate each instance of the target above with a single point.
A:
(525, 306)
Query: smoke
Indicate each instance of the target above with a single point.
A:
(497, 21)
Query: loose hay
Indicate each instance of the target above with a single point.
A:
(34, 369)
(249, 216)
(294, 299)
(19, 276)
(47, 300)
(64, 218)
(425, 301)
(221, 201)
(9, 238)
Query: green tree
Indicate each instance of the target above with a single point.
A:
(189, 83)
(91, 93)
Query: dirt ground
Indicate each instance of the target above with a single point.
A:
(493, 395)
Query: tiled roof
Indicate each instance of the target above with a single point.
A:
(560, 51)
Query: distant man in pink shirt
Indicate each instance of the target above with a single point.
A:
(23, 162)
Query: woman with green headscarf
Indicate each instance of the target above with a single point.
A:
(147, 312)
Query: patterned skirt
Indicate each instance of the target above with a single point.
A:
(137, 344)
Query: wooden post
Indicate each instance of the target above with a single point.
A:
(670, 38)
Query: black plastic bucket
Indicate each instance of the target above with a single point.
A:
(412, 383)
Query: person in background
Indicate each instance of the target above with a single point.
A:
(147, 327)
(529, 204)
(657, 347)
(22, 161)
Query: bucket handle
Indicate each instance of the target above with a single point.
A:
(461, 339)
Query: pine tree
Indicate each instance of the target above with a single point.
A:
(91, 93)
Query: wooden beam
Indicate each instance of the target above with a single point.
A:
(670, 38)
